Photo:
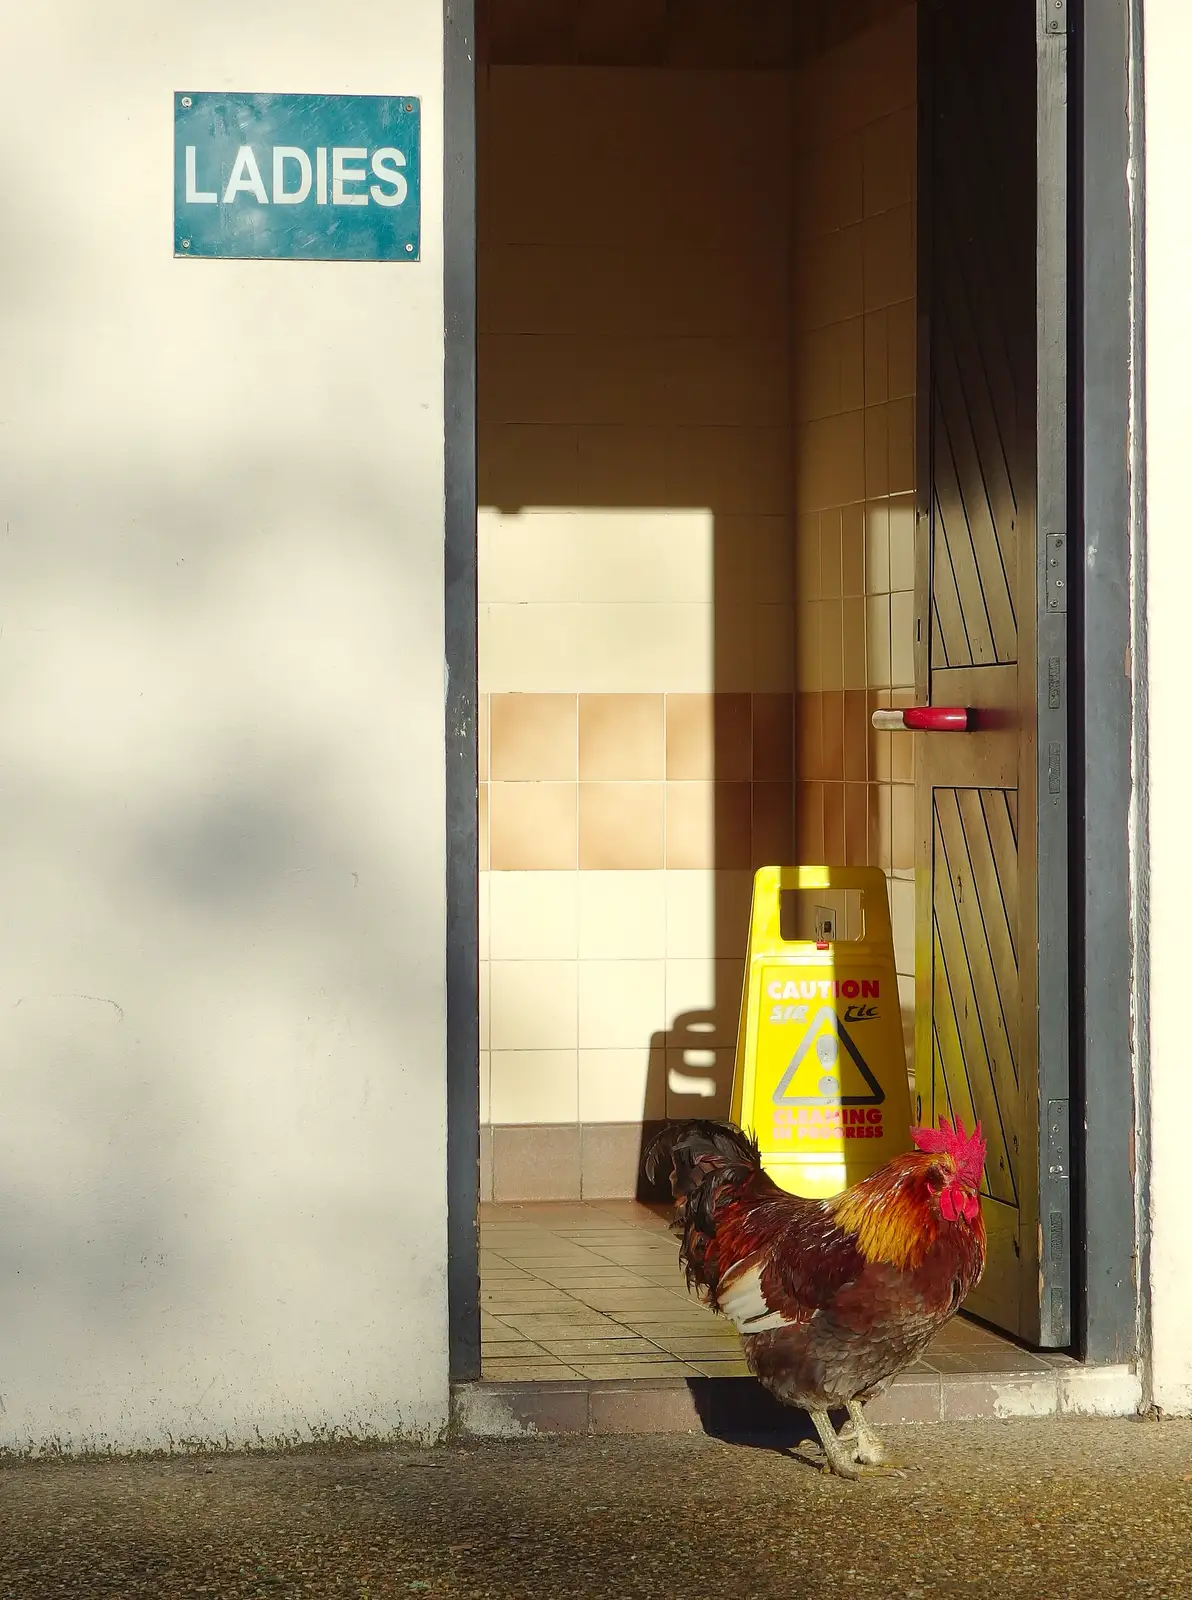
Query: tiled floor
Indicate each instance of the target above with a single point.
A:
(593, 1290)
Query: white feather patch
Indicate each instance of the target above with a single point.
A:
(744, 1304)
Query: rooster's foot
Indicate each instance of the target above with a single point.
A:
(856, 1451)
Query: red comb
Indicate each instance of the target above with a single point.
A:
(966, 1149)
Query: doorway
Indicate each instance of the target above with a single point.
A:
(701, 555)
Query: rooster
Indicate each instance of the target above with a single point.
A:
(832, 1298)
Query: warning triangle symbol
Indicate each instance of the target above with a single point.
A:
(825, 1033)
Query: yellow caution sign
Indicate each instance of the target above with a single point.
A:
(821, 1073)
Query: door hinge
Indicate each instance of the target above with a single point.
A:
(1055, 13)
(1057, 572)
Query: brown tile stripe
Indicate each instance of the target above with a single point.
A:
(636, 782)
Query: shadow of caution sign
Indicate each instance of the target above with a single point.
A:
(821, 1073)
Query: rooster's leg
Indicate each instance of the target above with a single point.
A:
(839, 1455)
(867, 1447)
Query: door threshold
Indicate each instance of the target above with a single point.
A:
(739, 1408)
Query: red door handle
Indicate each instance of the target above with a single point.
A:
(925, 719)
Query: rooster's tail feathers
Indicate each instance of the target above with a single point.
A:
(687, 1153)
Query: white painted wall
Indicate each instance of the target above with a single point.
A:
(222, 1106)
(1168, 68)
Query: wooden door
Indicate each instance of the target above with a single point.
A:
(991, 875)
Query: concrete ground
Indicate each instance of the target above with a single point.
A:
(1043, 1509)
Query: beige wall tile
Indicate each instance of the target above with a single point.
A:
(902, 827)
(710, 990)
(852, 550)
(533, 737)
(854, 643)
(877, 451)
(889, 161)
(708, 736)
(482, 917)
(734, 558)
(816, 374)
(621, 465)
(534, 916)
(621, 736)
(621, 826)
(485, 1003)
(902, 542)
(699, 1082)
(902, 639)
(485, 1101)
(877, 382)
(734, 470)
(773, 641)
(622, 915)
(707, 913)
(521, 557)
(622, 1085)
(742, 383)
(830, 565)
(831, 644)
(773, 540)
(531, 1086)
(827, 279)
(877, 547)
(808, 661)
(828, 188)
(596, 649)
(533, 1005)
(829, 467)
(889, 257)
(570, 379)
(622, 1004)
(733, 647)
(900, 424)
(902, 350)
(807, 560)
(902, 921)
(708, 825)
(877, 640)
(620, 556)
(522, 465)
(852, 364)
(533, 827)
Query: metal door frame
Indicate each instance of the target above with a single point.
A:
(1107, 677)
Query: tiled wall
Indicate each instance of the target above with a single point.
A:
(636, 616)
(853, 309)
(692, 416)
